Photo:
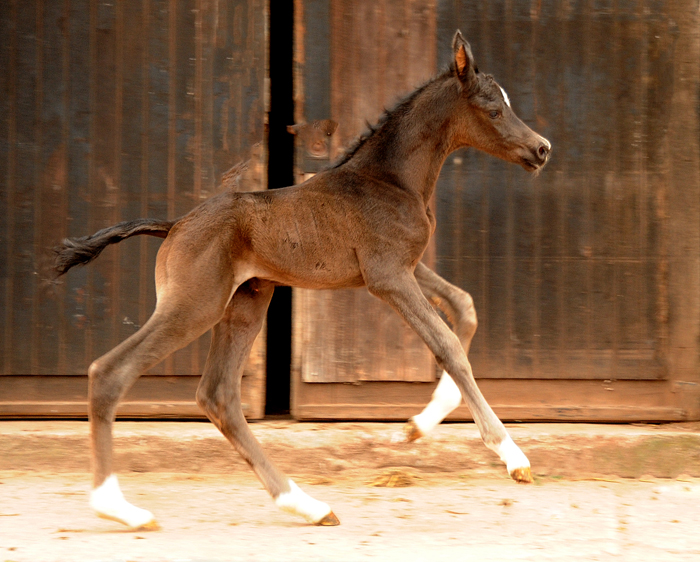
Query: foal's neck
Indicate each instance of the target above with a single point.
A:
(410, 146)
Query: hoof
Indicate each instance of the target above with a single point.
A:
(522, 475)
(411, 431)
(329, 520)
(152, 525)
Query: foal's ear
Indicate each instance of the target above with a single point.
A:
(464, 60)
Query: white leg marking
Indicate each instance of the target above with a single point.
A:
(446, 398)
(109, 503)
(511, 454)
(300, 503)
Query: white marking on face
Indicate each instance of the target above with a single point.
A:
(505, 97)
(446, 398)
(108, 501)
(298, 502)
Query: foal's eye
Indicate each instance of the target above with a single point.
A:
(495, 114)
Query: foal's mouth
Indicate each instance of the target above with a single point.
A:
(537, 158)
(531, 166)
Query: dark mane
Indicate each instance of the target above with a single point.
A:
(401, 107)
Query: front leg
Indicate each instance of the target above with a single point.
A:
(402, 291)
(458, 306)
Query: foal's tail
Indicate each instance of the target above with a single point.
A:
(79, 251)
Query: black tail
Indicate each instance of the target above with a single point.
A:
(79, 251)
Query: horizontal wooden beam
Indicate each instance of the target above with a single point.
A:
(505, 413)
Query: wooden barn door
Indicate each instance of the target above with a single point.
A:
(112, 111)
(355, 58)
(574, 273)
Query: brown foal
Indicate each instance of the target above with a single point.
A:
(363, 221)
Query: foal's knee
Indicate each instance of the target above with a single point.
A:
(464, 316)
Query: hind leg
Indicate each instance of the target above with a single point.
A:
(458, 306)
(171, 327)
(219, 395)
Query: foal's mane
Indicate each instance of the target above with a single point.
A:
(401, 107)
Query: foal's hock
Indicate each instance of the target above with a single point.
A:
(363, 221)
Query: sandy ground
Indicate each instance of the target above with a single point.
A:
(44, 516)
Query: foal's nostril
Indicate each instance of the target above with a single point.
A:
(543, 151)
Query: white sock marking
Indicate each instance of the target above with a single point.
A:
(108, 501)
(446, 398)
(300, 503)
(511, 454)
(505, 97)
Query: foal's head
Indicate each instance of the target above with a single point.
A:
(486, 119)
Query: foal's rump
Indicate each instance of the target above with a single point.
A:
(80, 251)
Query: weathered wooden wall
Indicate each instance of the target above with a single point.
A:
(585, 278)
(111, 111)
(568, 270)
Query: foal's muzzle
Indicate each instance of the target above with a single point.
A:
(539, 155)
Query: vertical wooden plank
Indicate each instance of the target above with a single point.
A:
(65, 197)
(132, 133)
(601, 180)
(22, 210)
(208, 22)
(659, 88)
(550, 50)
(678, 206)
(90, 179)
(317, 29)
(104, 191)
(8, 167)
(185, 106)
(629, 292)
(576, 235)
(173, 38)
(50, 189)
(38, 126)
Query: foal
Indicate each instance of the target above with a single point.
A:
(363, 221)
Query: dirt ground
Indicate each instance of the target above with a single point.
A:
(44, 516)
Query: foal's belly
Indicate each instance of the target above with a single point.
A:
(317, 270)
